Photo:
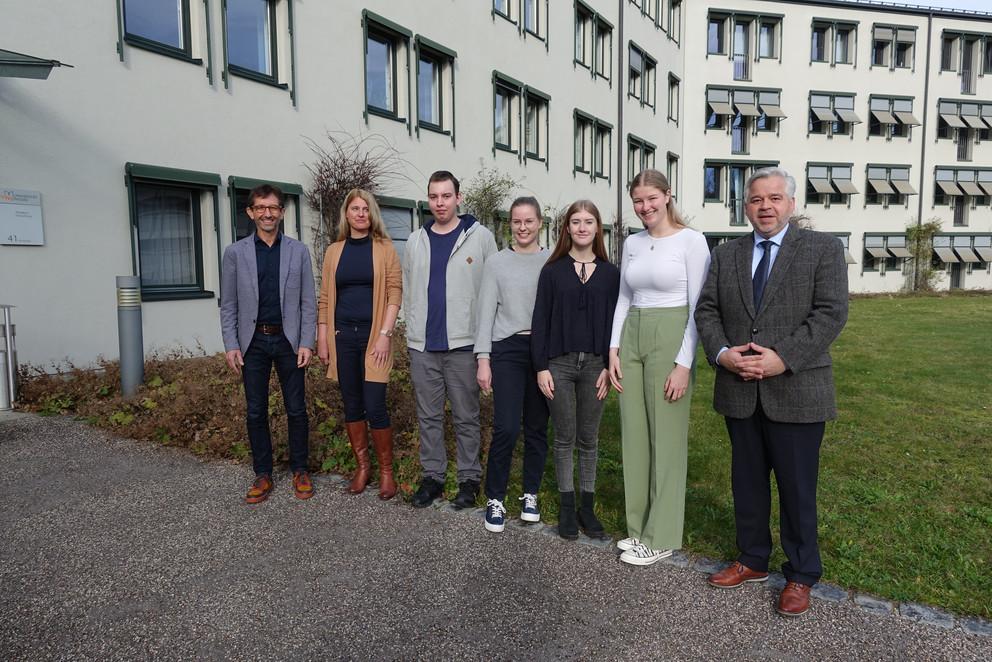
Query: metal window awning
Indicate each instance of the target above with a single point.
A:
(966, 254)
(878, 252)
(945, 254)
(984, 252)
(773, 111)
(971, 188)
(845, 186)
(823, 114)
(848, 116)
(848, 257)
(884, 116)
(822, 185)
(721, 108)
(880, 186)
(906, 118)
(884, 34)
(949, 188)
(974, 121)
(903, 187)
(900, 251)
(953, 120)
(748, 109)
(19, 65)
(987, 187)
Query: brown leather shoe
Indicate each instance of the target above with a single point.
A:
(302, 485)
(735, 575)
(794, 600)
(359, 437)
(383, 441)
(259, 490)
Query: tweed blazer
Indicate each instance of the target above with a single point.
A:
(803, 309)
(239, 294)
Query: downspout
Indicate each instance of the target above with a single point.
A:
(618, 226)
(923, 155)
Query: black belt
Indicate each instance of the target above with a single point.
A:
(269, 329)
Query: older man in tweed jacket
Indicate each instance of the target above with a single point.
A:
(772, 304)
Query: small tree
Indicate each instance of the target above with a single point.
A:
(919, 242)
(368, 162)
(487, 194)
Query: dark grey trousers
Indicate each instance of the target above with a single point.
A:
(438, 376)
(575, 412)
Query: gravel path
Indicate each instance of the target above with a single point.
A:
(113, 549)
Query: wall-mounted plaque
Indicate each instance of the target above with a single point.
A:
(20, 218)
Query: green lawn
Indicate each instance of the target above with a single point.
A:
(905, 492)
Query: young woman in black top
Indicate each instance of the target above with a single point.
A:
(570, 338)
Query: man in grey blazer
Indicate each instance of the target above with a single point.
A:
(772, 304)
(268, 316)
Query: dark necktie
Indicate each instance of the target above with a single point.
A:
(761, 273)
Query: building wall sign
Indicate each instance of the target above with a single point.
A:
(20, 218)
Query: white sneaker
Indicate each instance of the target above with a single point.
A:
(529, 511)
(642, 555)
(627, 543)
(495, 516)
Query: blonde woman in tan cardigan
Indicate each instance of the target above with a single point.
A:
(360, 294)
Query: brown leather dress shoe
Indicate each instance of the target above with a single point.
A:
(259, 490)
(794, 600)
(735, 575)
(302, 485)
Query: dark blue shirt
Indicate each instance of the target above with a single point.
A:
(353, 281)
(267, 261)
(437, 288)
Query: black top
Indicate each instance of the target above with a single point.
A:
(353, 280)
(267, 262)
(572, 316)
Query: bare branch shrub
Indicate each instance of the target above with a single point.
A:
(919, 242)
(487, 194)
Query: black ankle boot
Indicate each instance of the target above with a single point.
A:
(567, 526)
(591, 526)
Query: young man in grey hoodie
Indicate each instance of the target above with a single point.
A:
(442, 273)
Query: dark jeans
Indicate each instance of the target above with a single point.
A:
(263, 352)
(576, 412)
(362, 399)
(515, 395)
(759, 446)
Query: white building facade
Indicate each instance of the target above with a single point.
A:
(144, 151)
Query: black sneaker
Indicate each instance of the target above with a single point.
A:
(468, 491)
(429, 490)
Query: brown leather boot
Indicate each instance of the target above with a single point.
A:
(359, 437)
(383, 442)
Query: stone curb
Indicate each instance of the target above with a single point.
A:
(704, 565)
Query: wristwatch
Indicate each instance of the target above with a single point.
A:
(386, 332)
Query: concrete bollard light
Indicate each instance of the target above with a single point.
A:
(129, 334)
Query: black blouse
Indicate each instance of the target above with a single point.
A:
(572, 316)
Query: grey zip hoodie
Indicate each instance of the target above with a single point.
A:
(466, 264)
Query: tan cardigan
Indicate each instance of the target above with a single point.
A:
(387, 289)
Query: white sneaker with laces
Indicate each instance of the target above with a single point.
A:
(642, 555)
(529, 511)
(627, 543)
(495, 516)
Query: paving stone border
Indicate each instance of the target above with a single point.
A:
(704, 565)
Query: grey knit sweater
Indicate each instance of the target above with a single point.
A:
(506, 299)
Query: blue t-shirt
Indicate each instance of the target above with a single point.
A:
(437, 287)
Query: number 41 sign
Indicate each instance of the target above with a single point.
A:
(20, 218)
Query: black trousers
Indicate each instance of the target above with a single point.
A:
(792, 451)
(362, 399)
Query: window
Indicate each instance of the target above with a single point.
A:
(771, 110)
(893, 46)
(640, 155)
(641, 77)
(602, 149)
(970, 48)
(398, 215)
(729, 176)
(829, 183)
(504, 8)
(905, 49)
(884, 252)
(768, 38)
(717, 108)
(949, 52)
(435, 86)
(506, 93)
(742, 49)
(533, 19)
(890, 117)
(712, 180)
(881, 46)
(888, 185)
(675, 20)
(593, 41)
(962, 188)
(387, 52)
(584, 129)
(170, 211)
(746, 107)
(531, 16)
(160, 26)
(715, 37)
(833, 42)
(535, 124)
(987, 60)
(242, 225)
(673, 174)
(673, 97)
(251, 38)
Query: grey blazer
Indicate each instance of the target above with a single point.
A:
(803, 310)
(239, 294)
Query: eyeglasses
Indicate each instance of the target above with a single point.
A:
(274, 209)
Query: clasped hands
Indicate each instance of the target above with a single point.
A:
(763, 363)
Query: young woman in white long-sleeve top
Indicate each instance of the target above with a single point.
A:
(652, 348)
